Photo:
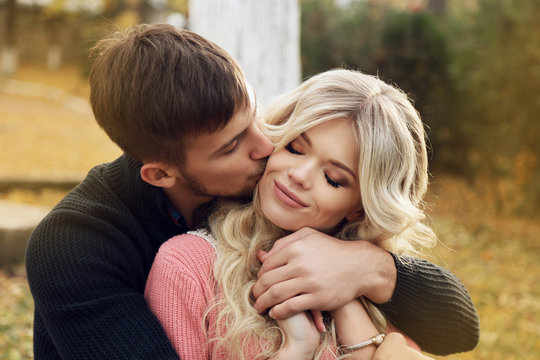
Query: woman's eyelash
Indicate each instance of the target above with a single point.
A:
(331, 182)
(290, 149)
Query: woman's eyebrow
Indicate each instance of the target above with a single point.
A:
(344, 167)
(333, 162)
(306, 138)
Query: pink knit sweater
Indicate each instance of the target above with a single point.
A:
(179, 289)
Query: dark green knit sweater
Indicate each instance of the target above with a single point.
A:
(88, 260)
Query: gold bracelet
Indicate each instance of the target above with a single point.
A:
(376, 340)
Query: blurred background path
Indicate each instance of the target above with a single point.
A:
(48, 141)
(47, 133)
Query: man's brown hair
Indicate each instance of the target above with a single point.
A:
(154, 85)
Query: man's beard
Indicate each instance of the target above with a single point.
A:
(243, 195)
(200, 190)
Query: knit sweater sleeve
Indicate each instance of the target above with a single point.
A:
(85, 277)
(178, 291)
(433, 307)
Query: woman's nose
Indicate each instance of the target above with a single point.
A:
(302, 174)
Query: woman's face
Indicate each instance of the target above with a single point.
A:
(313, 181)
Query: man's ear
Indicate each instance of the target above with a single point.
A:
(158, 174)
(355, 215)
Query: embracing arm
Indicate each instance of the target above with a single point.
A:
(433, 307)
(88, 299)
(323, 273)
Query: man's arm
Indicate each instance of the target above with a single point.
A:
(87, 282)
(323, 273)
(310, 270)
(433, 307)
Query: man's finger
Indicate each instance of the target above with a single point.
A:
(261, 254)
(284, 241)
(268, 279)
(318, 320)
(278, 293)
(273, 262)
(293, 305)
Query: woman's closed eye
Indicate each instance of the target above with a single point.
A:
(331, 181)
(289, 147)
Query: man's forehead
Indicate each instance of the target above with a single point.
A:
(209, 142)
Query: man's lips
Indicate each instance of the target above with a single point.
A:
(286, 196)
(258, 175)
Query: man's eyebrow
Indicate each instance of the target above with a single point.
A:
(333, 162)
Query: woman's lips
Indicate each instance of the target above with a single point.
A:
(287, 197)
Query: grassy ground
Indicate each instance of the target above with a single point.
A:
(495, 255)
(47, 131)
(46, 126)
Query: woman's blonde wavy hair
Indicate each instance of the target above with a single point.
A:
(393, 179)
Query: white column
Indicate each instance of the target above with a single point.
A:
(9, 60)
(263, 35)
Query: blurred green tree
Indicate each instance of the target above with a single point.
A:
(413, 53)
(407, 48)
(497, 69)
(474, 74)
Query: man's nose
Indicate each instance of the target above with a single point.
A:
(262, 146)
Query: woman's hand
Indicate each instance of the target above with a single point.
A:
(353, 326)
(301, 337)
(394, 347)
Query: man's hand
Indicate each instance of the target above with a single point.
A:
(311, 270)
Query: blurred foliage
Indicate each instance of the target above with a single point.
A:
(474, 74)
(497, 70)
(17, 316)
(181, 6)
(408, 49)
